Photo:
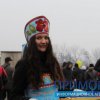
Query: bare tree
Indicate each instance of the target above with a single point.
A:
(72, 54)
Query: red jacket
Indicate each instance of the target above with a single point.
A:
(3, 77)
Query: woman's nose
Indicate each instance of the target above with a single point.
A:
(43, 40)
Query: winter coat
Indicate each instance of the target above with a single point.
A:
(20, 81)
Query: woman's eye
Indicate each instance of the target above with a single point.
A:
(46, 37)
(39, 37)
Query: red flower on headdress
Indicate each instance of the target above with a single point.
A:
(42, 25)
(46, 26)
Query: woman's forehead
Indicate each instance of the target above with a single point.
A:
(44, 34)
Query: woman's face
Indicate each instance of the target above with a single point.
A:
(42, 41)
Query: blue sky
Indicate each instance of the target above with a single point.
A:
(73, 22)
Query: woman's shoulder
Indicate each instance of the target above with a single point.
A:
(21, 64)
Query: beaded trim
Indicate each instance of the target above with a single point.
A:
(49, 85)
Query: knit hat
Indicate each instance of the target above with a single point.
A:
(35, 26)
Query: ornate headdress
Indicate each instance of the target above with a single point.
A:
(35, 26)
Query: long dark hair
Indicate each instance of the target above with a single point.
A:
(33, 57)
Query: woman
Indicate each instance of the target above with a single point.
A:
(36, 72)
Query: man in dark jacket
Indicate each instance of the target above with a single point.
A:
(97, 68)
(9, 71)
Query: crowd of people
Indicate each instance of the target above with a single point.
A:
(74, 73)
(38, 69)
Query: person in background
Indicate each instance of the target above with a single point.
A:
(64, 65)
(68, 75)
(9, 71)
(91, 74)
(67, 71)
(3, 82)
(97, 68)
(37, 70)
(77, 73)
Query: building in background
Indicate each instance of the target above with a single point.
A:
(15, 55)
